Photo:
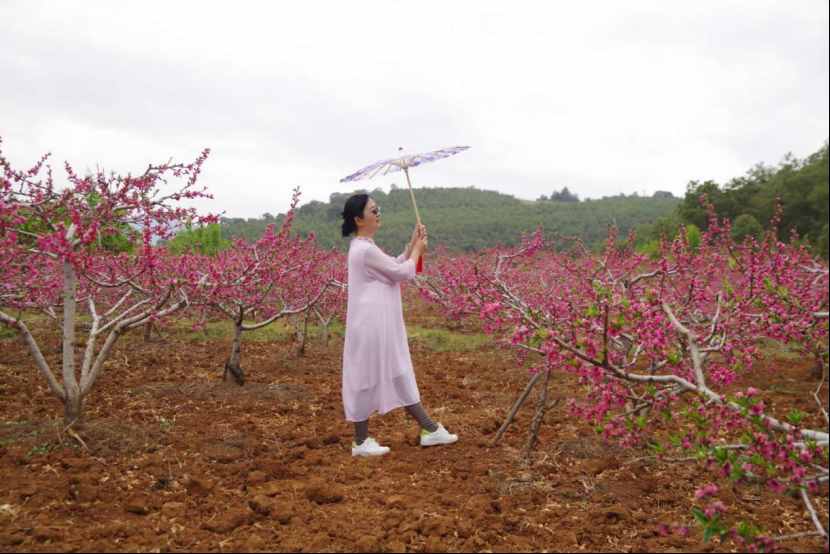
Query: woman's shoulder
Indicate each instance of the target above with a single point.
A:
(360, 245)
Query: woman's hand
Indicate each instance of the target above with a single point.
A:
(418, 232)
(420, 246)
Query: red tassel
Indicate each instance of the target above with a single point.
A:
(419, 268)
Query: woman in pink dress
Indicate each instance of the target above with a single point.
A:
(377, 368)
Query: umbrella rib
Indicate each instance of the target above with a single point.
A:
(378, 169)
(389, 168)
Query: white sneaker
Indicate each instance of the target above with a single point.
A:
(438, 437)
(370, 447)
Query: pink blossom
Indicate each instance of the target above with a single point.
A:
(706, 491)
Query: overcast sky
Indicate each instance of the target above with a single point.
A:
(602, 97)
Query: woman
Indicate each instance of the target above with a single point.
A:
(377, 369)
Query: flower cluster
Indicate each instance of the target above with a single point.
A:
(658, 344)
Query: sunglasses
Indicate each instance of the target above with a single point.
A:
(375, 210)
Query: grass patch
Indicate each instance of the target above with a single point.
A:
(278, 331)
(435, 339)
(12, 432)
(40, 449)
(441, 340)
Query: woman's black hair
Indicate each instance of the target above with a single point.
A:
(354, 208)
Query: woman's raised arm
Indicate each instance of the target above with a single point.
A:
(383, 267)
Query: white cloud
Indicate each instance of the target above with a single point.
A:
(602, 97)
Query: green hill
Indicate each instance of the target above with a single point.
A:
(800, 185)
(469, 219)
(466, 219)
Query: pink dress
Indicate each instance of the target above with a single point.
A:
(377, 368)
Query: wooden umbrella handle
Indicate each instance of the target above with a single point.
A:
(419, 268)
(412, 195)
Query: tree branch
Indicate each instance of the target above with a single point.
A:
(285, 312)
(40, 361)
(809, 505)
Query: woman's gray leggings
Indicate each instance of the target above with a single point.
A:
(361, 428)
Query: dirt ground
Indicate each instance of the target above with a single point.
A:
(178, 460)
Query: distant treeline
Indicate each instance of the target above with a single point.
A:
(800, 185)
(467, 219)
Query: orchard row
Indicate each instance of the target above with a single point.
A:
(657, 341)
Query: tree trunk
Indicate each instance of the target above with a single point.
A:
(148, 331)
(73, 402)
(324, 331)
(541, 408)
(518, 404)
(820, 366)
(73, 410)
(301, 350)
(295, 324)
(232, 365)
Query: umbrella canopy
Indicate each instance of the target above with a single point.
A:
(404, 162)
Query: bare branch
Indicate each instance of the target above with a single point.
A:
(90, 343)
(649, 275)
(809, 505)
(40, 361)
(285, 312)
(806, 534)
(124, 324)
(818, 398)
(695, 351)
(113, 322)
(118, 284)
(118, 304)
(516, 405)
(715, 320)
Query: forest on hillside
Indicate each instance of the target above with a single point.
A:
(468, 219)
(799, 186)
